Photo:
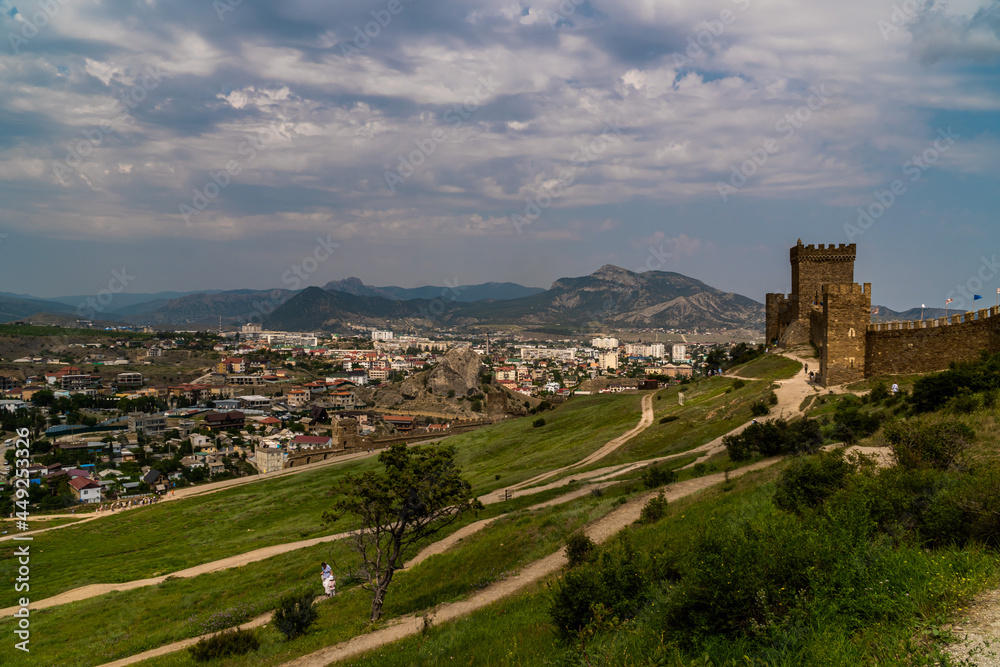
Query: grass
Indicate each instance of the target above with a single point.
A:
(517, 451)
(708, 411)
(183, 608)
(164, 538)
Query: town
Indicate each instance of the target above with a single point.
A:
(142, 414)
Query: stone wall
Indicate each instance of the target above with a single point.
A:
(845, 319)
(924, 346)
(815, 266)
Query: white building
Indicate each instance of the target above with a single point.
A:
(530, 353)
(656, 350)
(605, 343)
(382, 335)
(608, 359)
(678, 352)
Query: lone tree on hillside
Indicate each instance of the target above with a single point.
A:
(419, 492)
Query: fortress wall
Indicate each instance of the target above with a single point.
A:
(925, 346)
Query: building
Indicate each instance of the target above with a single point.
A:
(129, 379)
(85, 490)
(401, 422)
(139, 422)
(255, 402)
(246, 380)
(604, 343)
(269, 459)
(826, 308)
(678, 352)
(608, 359)
(223, 420)
(382, 335)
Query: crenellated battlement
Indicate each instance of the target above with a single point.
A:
(848, 289)
(844, 252)
(959, 318)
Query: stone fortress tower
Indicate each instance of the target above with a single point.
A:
(826, 308)
(831, 311)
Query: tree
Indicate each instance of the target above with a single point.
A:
(419, 492)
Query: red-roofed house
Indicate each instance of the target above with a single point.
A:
(85, 490)
(312, 441)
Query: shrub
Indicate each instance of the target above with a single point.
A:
(759, 409)
(928, 445)
(851, 423)
(538, 422)
(808, 482)
(656, 475)
(879, 393)
(230, 642)
(579, 549)
(773, 398)
(773, 437)
(739, 384)
(965, 402)
(477, 405)
(668, 419)
(654, 509)
(614, 580)
(294, 614)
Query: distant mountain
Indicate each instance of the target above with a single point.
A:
(886, 314)
(615, 296)
(461, 293)
(233, 306)
(612, 296)
(315, 309)
(130, 303)
(16, 307)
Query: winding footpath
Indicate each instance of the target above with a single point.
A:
(791, 394)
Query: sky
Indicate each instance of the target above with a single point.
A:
(175, 145)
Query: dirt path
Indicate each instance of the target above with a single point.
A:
(613, 444)
(93, 590)
(599, 531)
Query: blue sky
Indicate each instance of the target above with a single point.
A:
(209, 145)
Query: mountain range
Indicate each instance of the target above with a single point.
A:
(611, 297)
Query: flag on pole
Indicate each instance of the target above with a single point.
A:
(948, 301)
(874, 311)
(924, 305)
(977, 296)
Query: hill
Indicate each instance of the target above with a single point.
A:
(460, 293)
(610, 297)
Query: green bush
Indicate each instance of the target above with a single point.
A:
(809, 481)
(230, 642)
(656, 475)
(538, 422)
(294, 614)
(851, 423)
(579, 549)
(772, 398)
(773, 437)
(879, 393)
(739, 384)
(759, 408)
(654, 509)
(668, 419)
(928, 445)
(614, 581)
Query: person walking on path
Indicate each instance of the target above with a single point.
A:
(329, 583)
